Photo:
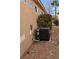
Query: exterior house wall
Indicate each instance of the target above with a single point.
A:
(28, 17)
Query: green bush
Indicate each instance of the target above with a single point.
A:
(44, 20)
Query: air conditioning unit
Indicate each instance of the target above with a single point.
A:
(42, 34)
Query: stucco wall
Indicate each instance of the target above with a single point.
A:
(28, 17)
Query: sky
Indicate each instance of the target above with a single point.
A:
(48, 6)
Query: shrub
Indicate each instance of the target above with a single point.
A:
(56, 22)
(44, 20)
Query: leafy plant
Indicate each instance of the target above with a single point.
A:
(56, 22)
(44, 20)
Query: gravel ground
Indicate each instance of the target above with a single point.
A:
(45, 50)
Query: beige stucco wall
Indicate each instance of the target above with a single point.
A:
(28, 17)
